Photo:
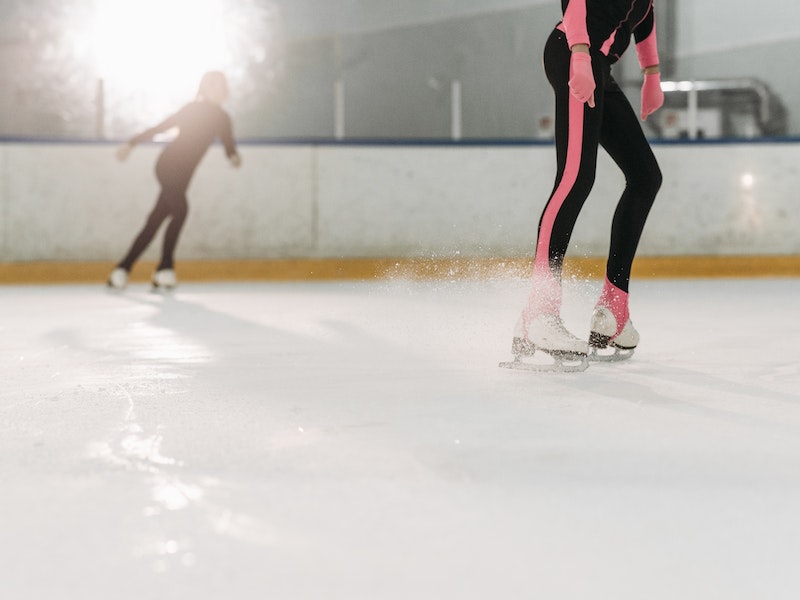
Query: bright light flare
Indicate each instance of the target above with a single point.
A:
(151, 54)
(747, 181)
(161, 46)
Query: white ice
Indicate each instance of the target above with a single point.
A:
(358, 441)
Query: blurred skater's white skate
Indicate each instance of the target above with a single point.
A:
(164, 280)
(118, 279)
(559, 350)
(605, 345)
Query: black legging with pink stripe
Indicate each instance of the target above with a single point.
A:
(614, 125)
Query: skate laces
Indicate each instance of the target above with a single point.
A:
(556, 324)
(548, 321)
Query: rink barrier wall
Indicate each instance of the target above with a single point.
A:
(310, 209)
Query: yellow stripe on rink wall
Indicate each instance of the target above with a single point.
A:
(310, 269)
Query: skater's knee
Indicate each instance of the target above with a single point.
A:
(656, 179)
(179, 208)
(646, 182)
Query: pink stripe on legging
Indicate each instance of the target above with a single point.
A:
(568, 179)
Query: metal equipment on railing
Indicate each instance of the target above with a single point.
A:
(720, 108)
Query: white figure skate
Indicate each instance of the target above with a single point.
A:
(547, 334)
(164, 280)
(118, 279)
(602, 338)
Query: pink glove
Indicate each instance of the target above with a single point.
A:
(652, 96)
(581, 78)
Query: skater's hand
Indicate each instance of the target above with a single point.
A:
(123, 152)
(236, 160)
(652, 95)
(581, 78)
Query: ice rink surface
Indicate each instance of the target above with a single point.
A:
(355, 440)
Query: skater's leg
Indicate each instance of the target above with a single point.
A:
(577, 135)
(142, 241)
(622, 137)
(179, 211)
(577, 138)
(174, 181)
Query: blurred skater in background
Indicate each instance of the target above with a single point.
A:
(199, 124)
(591, 110)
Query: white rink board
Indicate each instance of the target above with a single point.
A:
(76, 202)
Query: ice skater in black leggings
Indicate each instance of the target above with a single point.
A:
(199, 124)
(592, 111)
